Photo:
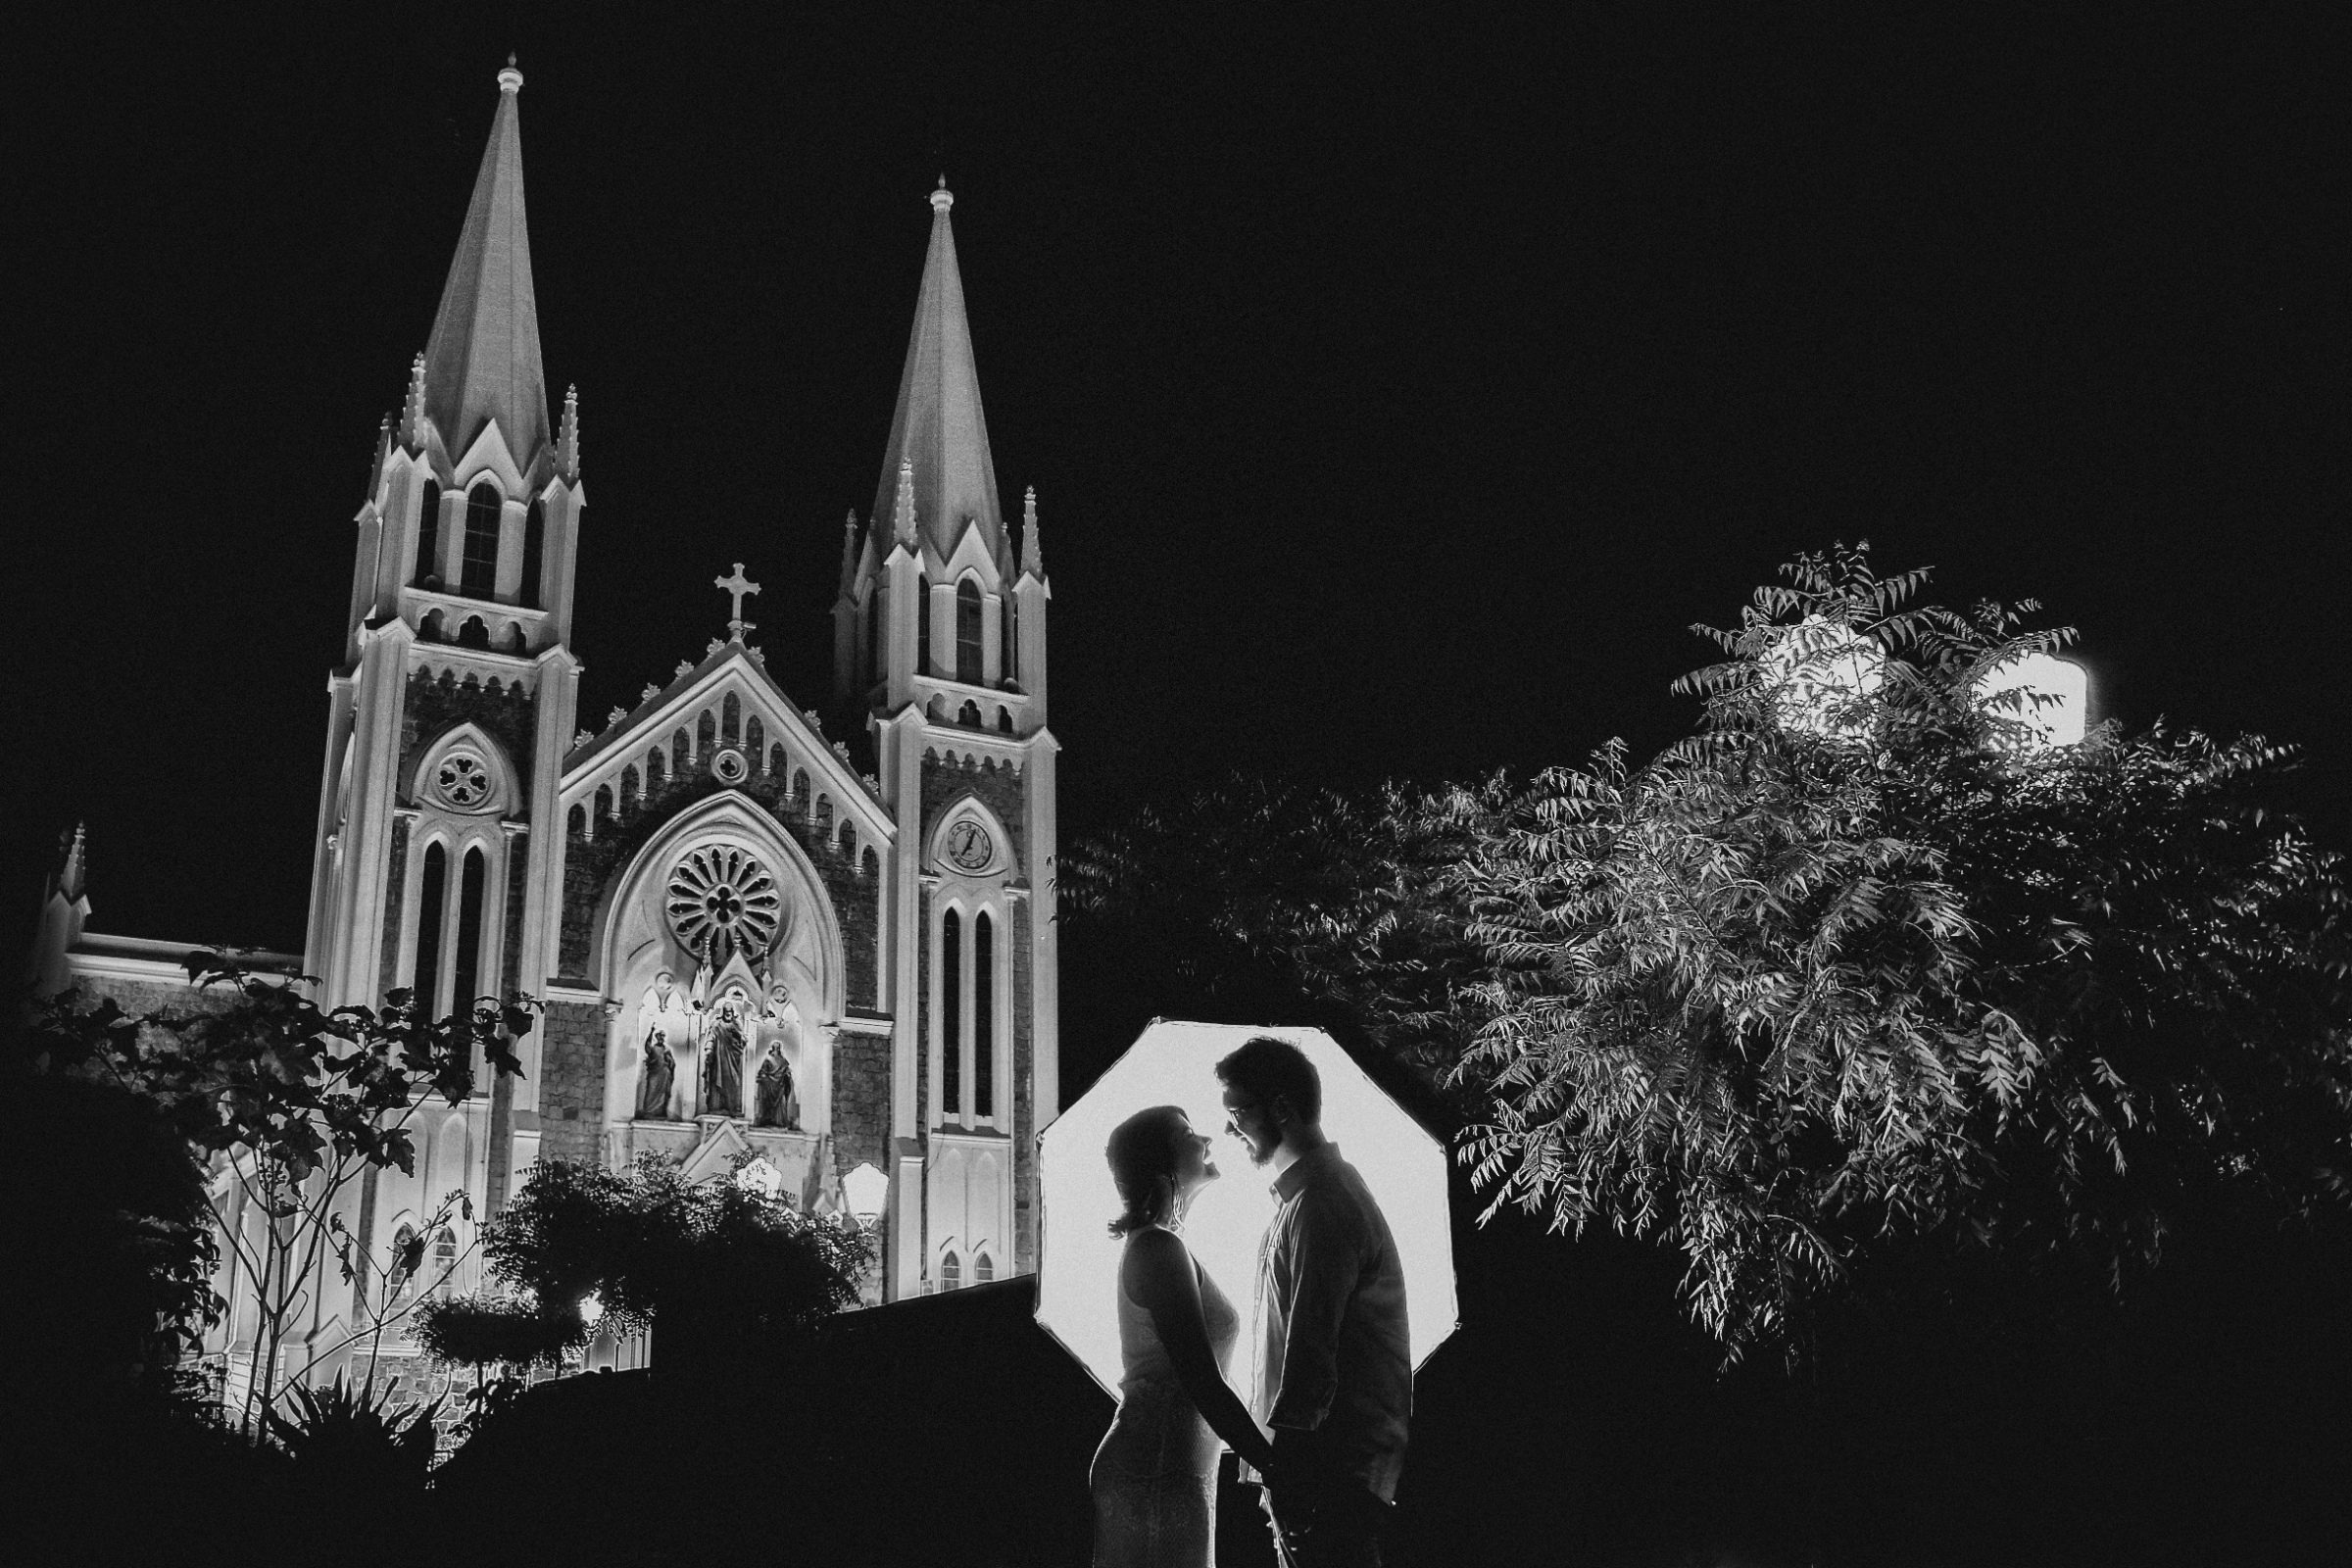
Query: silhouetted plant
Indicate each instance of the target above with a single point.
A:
(291, 1103)
(345, 1441)
(711, 1260)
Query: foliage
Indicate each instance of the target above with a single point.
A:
(500, 1330)
(1858, 962)
(345, 1441)
(110, 1216)
(287, 1103)
(1252, 894)
(729, 1261)
(1854, 968)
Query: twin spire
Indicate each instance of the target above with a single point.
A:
(938, 438)
(482, 364)
(482, 360)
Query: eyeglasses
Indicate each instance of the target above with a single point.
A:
(1235, 1113)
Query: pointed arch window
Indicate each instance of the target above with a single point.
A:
(922, 628)
(443, 1278)
(428, 534)
(950, 1272)
(1009, 664)
(468, 977)
(983, 1015)
(477, 575)
(429, 902)
(873, 635)
(984, 1268)
(406, 1254)
(534, 555)
(950, 989)
(730, 722)
(968, 638)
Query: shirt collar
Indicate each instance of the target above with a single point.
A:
(1286, 1185)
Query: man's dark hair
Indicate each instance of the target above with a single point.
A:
(1267, 1069)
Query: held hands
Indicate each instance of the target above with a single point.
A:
(1294, 1479)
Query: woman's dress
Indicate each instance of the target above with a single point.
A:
(1154, 1477)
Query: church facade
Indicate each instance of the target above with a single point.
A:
(754, 952)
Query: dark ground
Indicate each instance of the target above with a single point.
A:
(1573, 1420)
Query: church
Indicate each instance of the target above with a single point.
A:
(756, 957)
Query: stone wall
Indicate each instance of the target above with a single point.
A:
(860, 1103)
(572, 1082)
(396, 882)
(433, 707)
(996, 785)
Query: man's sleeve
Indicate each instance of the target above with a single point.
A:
(1328, 1256)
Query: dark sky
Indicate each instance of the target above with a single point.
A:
(1397, 390)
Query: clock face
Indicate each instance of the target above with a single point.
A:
(968, 846)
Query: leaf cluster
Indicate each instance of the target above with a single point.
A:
(650, 1245)
(272, 1075)
(1858, 965)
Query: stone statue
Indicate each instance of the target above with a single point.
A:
(655, 1079)
(778, 1105)
(657, 1020)
(722, 1059)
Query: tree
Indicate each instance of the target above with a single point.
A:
(1857, 966)
(725, 1269)
(287, 1105)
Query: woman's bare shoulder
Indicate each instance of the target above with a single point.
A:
(1154, 1253)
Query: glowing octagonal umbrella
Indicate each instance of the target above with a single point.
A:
(1174, 1064)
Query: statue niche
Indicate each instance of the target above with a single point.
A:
(664, 1032)
(724, 1044)
(778, 1101)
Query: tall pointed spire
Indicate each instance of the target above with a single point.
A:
(482, 362)
(939, 425)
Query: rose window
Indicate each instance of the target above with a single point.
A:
(729, 766)
(722, 901)
(463, 779)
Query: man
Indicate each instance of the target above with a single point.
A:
(1333, 1362)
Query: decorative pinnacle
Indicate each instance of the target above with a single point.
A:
(1033, 550)
(69, 876)
(848, 553)
(568, 436)
(902, 523)
(510, 80)
(941, 200)
(411, 413)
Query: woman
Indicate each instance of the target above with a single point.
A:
(1155, 1478)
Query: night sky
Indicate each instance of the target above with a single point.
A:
(1397, 390)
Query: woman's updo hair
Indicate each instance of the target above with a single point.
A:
(1143, 1163)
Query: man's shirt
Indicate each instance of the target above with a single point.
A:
(1333, 1355)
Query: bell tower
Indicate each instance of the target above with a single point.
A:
(439, 853)
(940, 643)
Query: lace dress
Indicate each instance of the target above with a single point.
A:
(1155, 1478)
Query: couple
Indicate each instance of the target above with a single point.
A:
(1333, 1364)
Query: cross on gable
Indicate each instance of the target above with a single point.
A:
(736, 586)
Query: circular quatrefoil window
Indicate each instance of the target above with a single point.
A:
(463, 780)
(722, 899)
(729, 767)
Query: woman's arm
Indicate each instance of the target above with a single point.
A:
(1157, 1272)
